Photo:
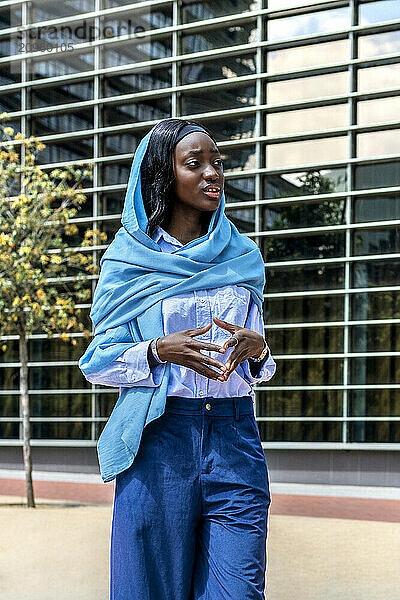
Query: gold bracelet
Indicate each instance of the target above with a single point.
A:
(263, 353)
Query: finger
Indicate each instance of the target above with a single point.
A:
(206, 371)
(225, 325)
(233, 362)
(198, 330)
(230, 343)
(204, 358)
(207, 346)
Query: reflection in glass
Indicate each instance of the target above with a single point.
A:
(134, 111)
(279, 4)
(379, 44)
(378, 111)
(10, 16)
(207, 100)
(323, 181)
(141, 81)
(10, 102)
(60, 405)
(42, 378)
(377, 175)
(379, 78)
(306, 340)
(376, 273)
(10, 73)
(105, 404)
(9, 431)
(310, 119)
(306, 152)
(61, 151)
(61, 94)
(325, 21)
(378, 143)
(239, 190)
(112, 203)
(9, 406)
(322, 431)
(239, 159)
(377, 208)
(193, 10)
(242, 218)
(303, 310)
(329, 245)
(309, 371)
(61, 431)
(56, 349)
(58, 122)
(303, 88)
(292, 216)
(378, 12)
(375, 370)
(376, 241)
(228, 67)
(115, 26)
(110, 227)
(42, 10)
(60, 65)
(136, 51)
(378, 432)
(299, 403)
(209, 39)
(375, 338)
(304, 277)
(232, 128)
(122, 143)
(301, 57)
(374, 403)
(116, 173)
(375, 305)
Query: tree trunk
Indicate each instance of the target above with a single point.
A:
(26, 426)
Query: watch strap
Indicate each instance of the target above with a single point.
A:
(154, 351)
(263, 354)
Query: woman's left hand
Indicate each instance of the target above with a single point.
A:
(248, 343)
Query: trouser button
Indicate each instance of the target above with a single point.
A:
(208, 406)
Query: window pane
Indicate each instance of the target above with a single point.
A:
(232, 128)
(378, 143)
(228, 67)
(116, 173)
(302, 25)
(291, 216)
(144, 20)
(376, 273)
(193, 10)
(208, 100)
(150, 79)
(304, 277)
(239, 159)
(374, 403)
(329, 245)
(303, 310)
(210, 39)
(111, 203)
(299, 403)
(9, 431)
(300, 432)
(9, 379)
(375, 370)
(57, 405)
(383, 208)
(376, 241)
(239, 190)
(243, 218)
(136, 51)
(53, 378)
(59, 122)
(290, 59)
(374, 432)
(134, 112)
(376, 305)
(311, 371)
(306, 152)
(307, 340)
(9, 406)
(69, 150)
(378, 111)
(123, 143)
(310, 119)
(278, 4)
(54, 67)
(61, 94)
(56, 349)
(379, 44)
(304, 88)
(304, 184)
(10, 17)
(41, 10)
(377, 175)
(379, 78)
(375, 338)
(61, 431)
(9, 103)
(378, 12)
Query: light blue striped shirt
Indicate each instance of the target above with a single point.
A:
(191, 310)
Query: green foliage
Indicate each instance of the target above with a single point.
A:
(35, 211)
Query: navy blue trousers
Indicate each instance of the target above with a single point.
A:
(190, 514)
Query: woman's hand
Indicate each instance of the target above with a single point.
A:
(182, 349)
(248, 344)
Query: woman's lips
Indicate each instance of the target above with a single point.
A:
(213, 195)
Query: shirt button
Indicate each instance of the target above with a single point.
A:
(208, 406)
(201, 393)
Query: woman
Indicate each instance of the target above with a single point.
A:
(192, 494)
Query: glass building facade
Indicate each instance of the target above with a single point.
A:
(304, 100)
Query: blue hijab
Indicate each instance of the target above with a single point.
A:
(135, 277)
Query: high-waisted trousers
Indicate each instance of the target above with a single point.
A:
(190, 514)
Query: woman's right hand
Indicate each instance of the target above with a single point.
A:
(182, 349)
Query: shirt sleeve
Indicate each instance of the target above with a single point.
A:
(115, 360)
(256, 372)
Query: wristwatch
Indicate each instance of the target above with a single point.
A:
(155, 353)
(263, 353)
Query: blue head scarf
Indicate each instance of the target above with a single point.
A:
(135, 277)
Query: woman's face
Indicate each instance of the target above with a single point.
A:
(198, 172)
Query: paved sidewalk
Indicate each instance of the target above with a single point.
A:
(58, 551)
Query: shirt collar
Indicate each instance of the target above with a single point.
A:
(161, 233)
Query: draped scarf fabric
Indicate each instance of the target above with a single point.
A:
(135, 277)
